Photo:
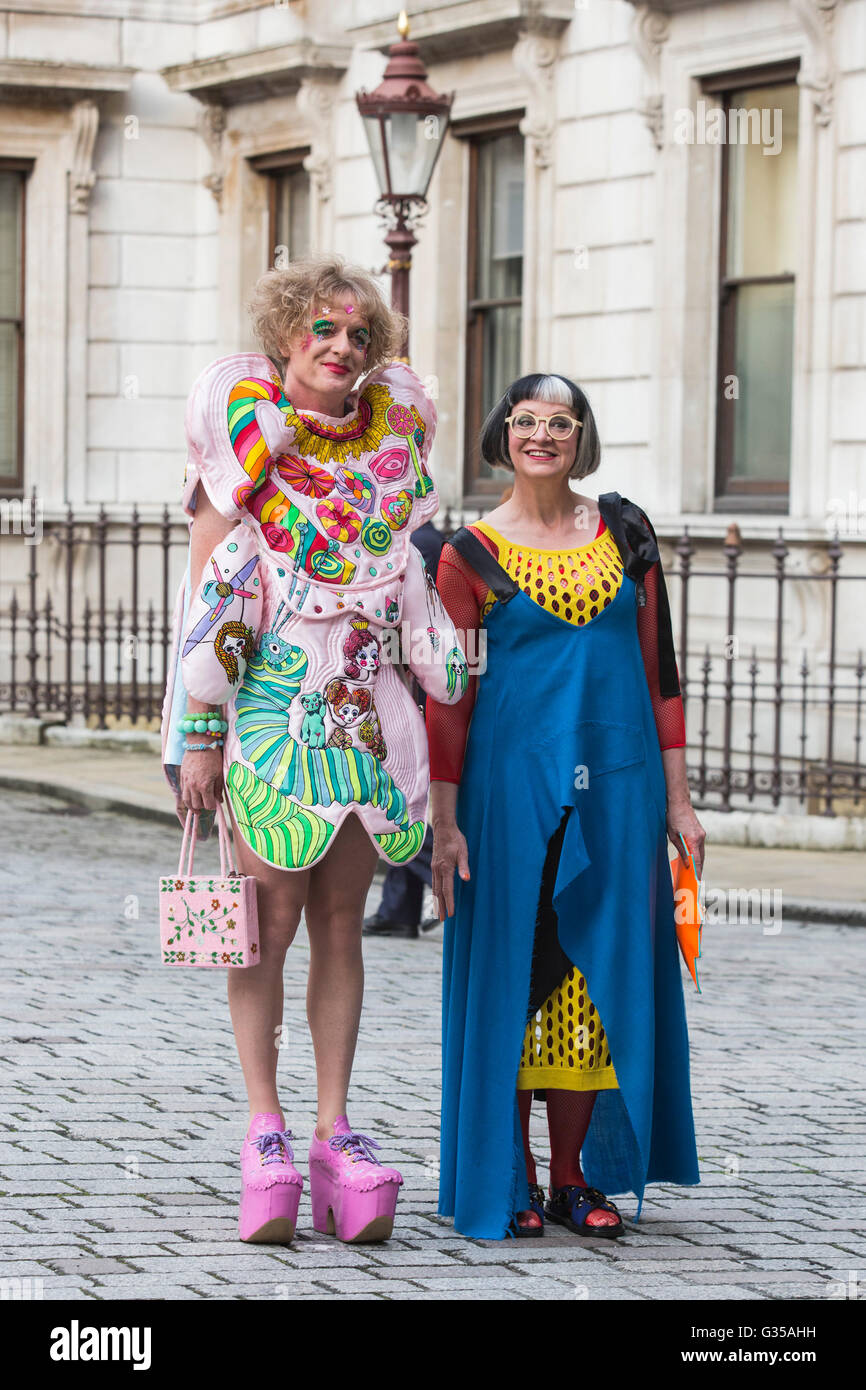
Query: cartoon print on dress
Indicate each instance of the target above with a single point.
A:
(219, 593)
(392, 611)
(338, 443)
(396, 508)
(346, 706)
(355, 488)
(339, 520)
(435, 606)
(321, 561)
(339, 739)
(313, 776)
(278, 516)
(390, 465)
(376, 537)
(455, 665)
(313, 729)
(361, 650)
(303, 477)
(407, 424)
(371, 733)
(233, 642)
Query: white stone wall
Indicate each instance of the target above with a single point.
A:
(621, 251)
(620, 235)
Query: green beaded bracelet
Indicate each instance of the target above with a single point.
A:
(202, 724)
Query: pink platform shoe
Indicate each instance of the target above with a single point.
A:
(353, 1196)
(270, 1183)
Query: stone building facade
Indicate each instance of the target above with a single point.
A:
(663, 200)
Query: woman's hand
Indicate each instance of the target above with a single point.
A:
(681, 820)
(201, 782)
(450, 852)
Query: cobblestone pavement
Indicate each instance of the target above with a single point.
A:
(123, 1109)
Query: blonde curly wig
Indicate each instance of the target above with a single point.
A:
(285, 302)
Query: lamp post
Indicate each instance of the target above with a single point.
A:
(405, 121)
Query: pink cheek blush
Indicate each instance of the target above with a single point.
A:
(310, 338)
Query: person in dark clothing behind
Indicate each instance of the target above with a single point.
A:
(399, 912)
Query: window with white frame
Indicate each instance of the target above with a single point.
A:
(757, 274)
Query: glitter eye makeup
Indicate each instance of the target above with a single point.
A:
(322, 327)
(362, 337)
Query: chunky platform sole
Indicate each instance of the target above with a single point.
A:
(354, 1217)
(269, 1217)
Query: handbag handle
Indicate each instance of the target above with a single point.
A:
(227, 866)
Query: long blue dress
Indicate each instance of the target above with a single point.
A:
(563, 723)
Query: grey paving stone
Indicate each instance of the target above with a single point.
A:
(116, 1061)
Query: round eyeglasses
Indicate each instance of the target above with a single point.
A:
(524, 424)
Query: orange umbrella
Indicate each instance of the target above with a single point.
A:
(687, 911)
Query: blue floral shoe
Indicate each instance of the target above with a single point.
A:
(570, 1206)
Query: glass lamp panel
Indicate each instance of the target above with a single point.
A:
(10, 245)
(8, 399)
(411, 154)
(375, 132)
(762, 181)
(764, 354)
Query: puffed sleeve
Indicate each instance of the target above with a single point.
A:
(435, 654)
(232, 425)
(206, 460)
(224, 619)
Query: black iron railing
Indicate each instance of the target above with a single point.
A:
(86, 617)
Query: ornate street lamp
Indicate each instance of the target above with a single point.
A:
(405, 121)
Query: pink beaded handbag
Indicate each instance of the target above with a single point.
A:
(205, 920)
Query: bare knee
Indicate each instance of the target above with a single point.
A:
(279, 920)
(336, 931)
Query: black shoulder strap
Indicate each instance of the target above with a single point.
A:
(467, 544)
(639, 550)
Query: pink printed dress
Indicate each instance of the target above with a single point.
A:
(305, 612)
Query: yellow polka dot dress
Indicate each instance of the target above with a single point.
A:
(564, 1046)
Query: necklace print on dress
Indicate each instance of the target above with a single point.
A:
(339, 442)
(284, 526)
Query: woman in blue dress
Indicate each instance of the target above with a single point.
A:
(551, 811)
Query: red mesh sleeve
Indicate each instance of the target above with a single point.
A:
(463, 595)
(670, 722)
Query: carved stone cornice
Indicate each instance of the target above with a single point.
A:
(257, 74)
(59, 84)
(534, 55)
(650, 31)
(82, 175)
(469, 28)
(673, 6)
(818, 73)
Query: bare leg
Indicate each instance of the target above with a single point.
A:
(256, 995)
(335, 989)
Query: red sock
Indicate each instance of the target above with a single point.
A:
(568, 1117)
(524, 1105)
